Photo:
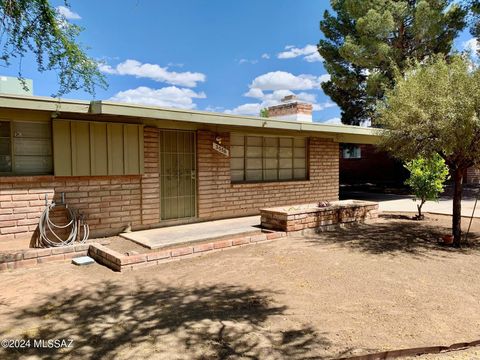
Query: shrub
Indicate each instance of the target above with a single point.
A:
(427, 178)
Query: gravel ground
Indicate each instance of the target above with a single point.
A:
(380, 286)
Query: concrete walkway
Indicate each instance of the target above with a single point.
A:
(184, 234)
(405, 203)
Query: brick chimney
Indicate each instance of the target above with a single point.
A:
(291, 109)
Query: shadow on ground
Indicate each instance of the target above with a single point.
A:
(157, 320)
(395, 235)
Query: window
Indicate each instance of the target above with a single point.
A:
(25, 148)
(351, 152)
(261, 158)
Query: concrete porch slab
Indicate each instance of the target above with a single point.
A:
(183, 234)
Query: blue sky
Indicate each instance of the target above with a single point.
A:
(217, 55)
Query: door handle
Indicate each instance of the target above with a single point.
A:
(193, 175)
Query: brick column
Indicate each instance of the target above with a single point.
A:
(150, 180)
(213, 175)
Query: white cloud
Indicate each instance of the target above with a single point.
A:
(107, 69)
(180, 65)
(247, 61)
(265, 56)
(314, 57)
(254, 93)
(333, 121)
(269, 89)
(323, 106)
(275, 97)
(281, 80)
(471, 45)
(67, 13)
(267, 99)
(309, 53)
(252, 109)
(170, 96)
(214, 108)
(154, 72)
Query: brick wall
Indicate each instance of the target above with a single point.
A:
(150, 180)
(374, 167)
(110, 202)
(289, 109)
(473, 175)
(218, 198)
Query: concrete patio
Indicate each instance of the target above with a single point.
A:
(183, 234)
(405, 203)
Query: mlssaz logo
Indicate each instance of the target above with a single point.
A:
(52, 343)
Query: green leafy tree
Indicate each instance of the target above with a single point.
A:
(264, 113)
(427, 178)
(347, 84)
(35, 26)
(435, 108)
(367, 41)
(474, 8)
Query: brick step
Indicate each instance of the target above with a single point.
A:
(120, 262)
(173, 245)
(27, 258)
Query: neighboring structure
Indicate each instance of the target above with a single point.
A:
(472, 176)
(365, 164)
(12, 85)
(126, 165)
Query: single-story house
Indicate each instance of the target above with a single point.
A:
(125, 165)
(366, 164)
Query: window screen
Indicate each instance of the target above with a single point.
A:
(25, 148)
(351, 152)
(259, 158)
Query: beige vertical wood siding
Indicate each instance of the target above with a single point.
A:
(85, 148)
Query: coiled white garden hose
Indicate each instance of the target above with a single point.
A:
(47, 228)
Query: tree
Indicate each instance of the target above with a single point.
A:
(34, 26)
(368, 40)
(264, 113)
(474, 7)
(435, 108)
(347, 83)
(427, 176)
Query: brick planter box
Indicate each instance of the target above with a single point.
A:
(311, 216)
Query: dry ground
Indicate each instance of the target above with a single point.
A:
(380, 286)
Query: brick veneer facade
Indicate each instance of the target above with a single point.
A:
(219, 198)
(111, 203)
(290, 109)
(374, 166)
(473, 175)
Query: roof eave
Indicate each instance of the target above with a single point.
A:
(119, 109)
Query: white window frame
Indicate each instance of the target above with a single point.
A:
(352, 152)
(264, 167)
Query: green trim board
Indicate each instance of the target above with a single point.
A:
(353, 134)
(159, 117)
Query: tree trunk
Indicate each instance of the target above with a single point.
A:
(419, 207)
(457, 207)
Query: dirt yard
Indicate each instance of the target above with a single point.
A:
(380, 286)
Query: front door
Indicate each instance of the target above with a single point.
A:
(177, 174)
